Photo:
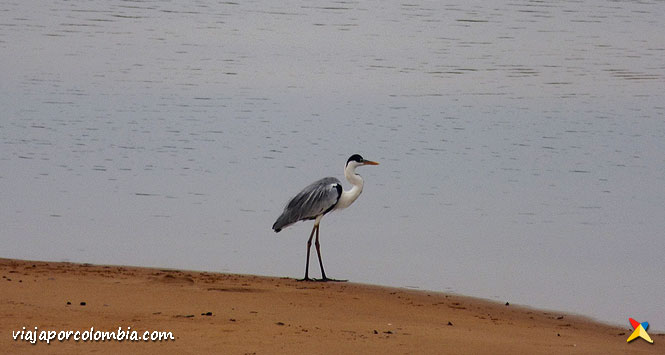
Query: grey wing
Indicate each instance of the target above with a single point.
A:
(316, 199)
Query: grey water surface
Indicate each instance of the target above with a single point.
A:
(522, 143)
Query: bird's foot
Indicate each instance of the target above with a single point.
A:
(323, 279)
(306, 279)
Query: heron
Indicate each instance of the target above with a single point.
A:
(319, 198)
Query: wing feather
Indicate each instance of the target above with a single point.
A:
(314, 200)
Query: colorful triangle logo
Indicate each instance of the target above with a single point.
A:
(640, 331)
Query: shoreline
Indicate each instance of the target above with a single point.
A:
(218, 312)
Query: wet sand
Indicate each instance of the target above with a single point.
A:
(243, 314)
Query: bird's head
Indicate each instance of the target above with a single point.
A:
(357, 160)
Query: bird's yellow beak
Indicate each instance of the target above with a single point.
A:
(369, 162)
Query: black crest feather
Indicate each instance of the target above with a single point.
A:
(355, 157)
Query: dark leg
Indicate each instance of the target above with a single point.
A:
(309, 246)
(318, 252)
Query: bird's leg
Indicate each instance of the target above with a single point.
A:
(309, 246)
(324, 278)
(318, 252)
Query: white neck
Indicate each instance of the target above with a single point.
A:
(356, 181)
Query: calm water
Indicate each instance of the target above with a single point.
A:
(521, 143)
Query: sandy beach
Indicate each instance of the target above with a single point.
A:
(242, 314)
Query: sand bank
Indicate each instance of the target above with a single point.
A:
(240, 314)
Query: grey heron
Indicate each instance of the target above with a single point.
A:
(319, 198)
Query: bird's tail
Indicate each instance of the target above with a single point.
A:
(277, 227)
(281, 222)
